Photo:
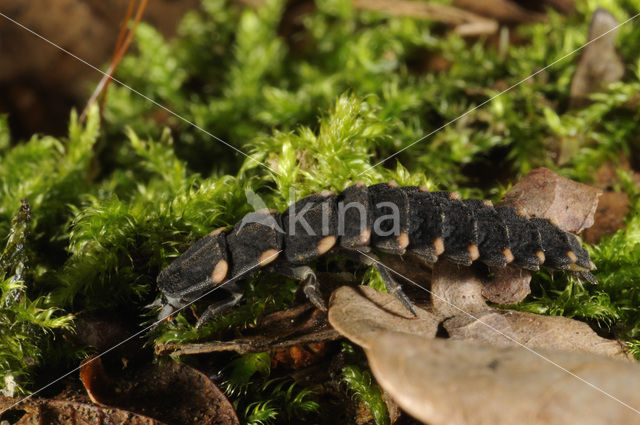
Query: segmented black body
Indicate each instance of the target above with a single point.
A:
(385, 217)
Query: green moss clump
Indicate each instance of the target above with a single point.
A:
(26, 322)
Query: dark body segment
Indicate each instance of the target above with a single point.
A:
(390, 207)
(460, 229)
(524, 239)
(426, 224)
(354, 207)
(583, 261)
(310, 227)
(195, 267)
(558, 248)
(383, 216)
(254, 242)
(493, 236)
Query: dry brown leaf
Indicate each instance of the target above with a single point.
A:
(456, 289)
(300, 356)
(600, 63)
(358, 313)
(445, 382)
(610, 216)
(567, 204)
(505, 327)
(40, 411)
(177, 394)
(508, 285)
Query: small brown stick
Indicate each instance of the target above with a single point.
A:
(245, 345)
(467, 23)
(122, 45)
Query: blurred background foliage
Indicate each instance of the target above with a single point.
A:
(320, 99)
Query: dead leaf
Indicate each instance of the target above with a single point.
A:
(505, 327)
(300, 356)
(445, 382)
(99, 386)
(296, 326)
(610, 216)
(60, 412)
(544, 194)
(358, 313)
(456, 289)
(508, 285)
(600, 63)
(176, 393)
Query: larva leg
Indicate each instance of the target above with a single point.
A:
(394, 287)
(587, 276)
(389, 282)
(220, 306)
(312, 291)
(307, 276)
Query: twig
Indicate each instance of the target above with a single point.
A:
(467, 23)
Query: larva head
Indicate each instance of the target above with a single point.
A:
(202, 266)
(580, 260)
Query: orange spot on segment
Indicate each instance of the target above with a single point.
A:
(326, 244)
(268, 256)
(508, 255)
(403, 240)
(365, 236)
(572, 256)
(217, 231)
(220, 271)
(540, 256)
(438, 245)
(474, 253)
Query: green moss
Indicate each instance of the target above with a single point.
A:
(361, 384)
(26, 322)
(260, 398)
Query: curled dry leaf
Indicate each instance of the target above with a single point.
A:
(456, 289)
(358, 313)
(175, 393)
(610, 216)
(567, 204)
(302, 326)
(508, 328)
(508, 285)
(600, 63)
(60, 412)
(445, 382)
